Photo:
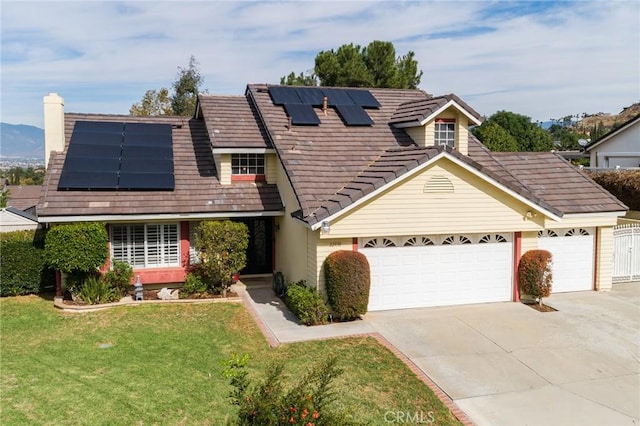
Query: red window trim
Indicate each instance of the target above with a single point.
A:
(248, 178)
(445, 120)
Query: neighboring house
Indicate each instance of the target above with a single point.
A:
(21, 208)
(14, 219)
(617, 148)
(394, 174)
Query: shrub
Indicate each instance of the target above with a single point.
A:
(306, 303)
(96, 289)
(119, 277)
(348, 279)
(193, 284)
(623, 184)
(312, 401)
(534, 274)
(23, 269)
(222, 245)
(76, 247)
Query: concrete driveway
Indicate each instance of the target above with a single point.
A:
(507, 364)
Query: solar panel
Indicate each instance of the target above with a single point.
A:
(150, 140)
(354, 115)
(95, 151)
(148, 129)
(337, 97)
(114, 155)
(310, 95)
(99, 126)
(88, 180)
(364, 98)
(302, 114)
(282, 95)
(147, 153)
(135, 165)
(148, 181)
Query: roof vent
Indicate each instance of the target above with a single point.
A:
(438, 185)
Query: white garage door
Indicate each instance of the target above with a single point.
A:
(572, 251)
(422, 271)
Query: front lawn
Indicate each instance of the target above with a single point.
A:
(161, 364)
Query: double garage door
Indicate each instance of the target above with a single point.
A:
(421, 271)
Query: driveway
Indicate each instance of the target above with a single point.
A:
(508, 364)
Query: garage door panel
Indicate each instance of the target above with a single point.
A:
(572, 266)
(438, 275)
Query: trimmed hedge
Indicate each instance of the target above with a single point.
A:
(623, 184)
(306, 303)
(348, 280)
(81, 246)
(534, 274)
(23, 269)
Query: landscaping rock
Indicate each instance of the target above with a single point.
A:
(166, 294)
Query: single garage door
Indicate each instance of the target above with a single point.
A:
(420, 271)
(573, 254)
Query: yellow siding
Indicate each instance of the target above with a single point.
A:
(312, 248)
(291, 236)
(529, 241)
(462, 135)
(418, 134)
(405, 209)
(581, 222)
(429, 134)
(271, 168)
(223, 165)
(604, 258)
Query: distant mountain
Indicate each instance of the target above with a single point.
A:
(21, 141)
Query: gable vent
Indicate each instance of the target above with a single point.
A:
(438, 185)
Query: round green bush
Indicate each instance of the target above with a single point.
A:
(348, 280)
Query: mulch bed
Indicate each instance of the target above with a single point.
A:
(153, 295)
(541, 308)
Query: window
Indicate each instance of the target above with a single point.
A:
(146, 245)
(247, 164)
(445, 133)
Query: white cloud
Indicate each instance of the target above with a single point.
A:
(539, 59)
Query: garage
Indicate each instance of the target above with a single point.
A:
(573, 254)
(438, 270)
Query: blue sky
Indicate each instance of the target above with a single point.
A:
(542, 59)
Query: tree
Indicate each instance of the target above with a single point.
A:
(181, 102)
(495, 138)
(528, 136)
(154, 102)
(186, 88)
(567, 138)
(375, 65)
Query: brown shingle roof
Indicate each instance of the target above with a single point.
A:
(320, 160)
(414, 112)
(197, 189)
(23, 196)
(232, 122)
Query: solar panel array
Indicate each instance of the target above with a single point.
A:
(298, 102)
(119, 156)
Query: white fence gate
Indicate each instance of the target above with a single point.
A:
(626, 253)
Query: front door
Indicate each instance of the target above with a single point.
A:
(259, 251)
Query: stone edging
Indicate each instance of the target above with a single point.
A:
(128, 301)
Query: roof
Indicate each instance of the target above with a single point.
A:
(232, 122)
(197, 188)
(547, 177)
(21, 213)
(320, 160)
(635, 120)
(23, 197)
(417, 112)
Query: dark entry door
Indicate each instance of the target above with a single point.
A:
(259, 251)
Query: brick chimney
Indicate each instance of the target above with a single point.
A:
(53, 125)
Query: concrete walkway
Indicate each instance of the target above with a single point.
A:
(505, 363)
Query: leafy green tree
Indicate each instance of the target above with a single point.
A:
(181, 102)
(76, 247)
(528, 136)
(351, 65)
(566, 138)
(22, 176)
(302, 79)
(4, 197)
(186, 88)
(495, 138)
(154, 102)
(597, 131)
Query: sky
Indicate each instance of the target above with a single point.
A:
(545, 59)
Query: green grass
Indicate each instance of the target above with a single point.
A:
(163, 366)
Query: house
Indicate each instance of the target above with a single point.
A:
(394, 174)
(618, 148)
(21, 208)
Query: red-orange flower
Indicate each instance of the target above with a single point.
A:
(315, 415)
